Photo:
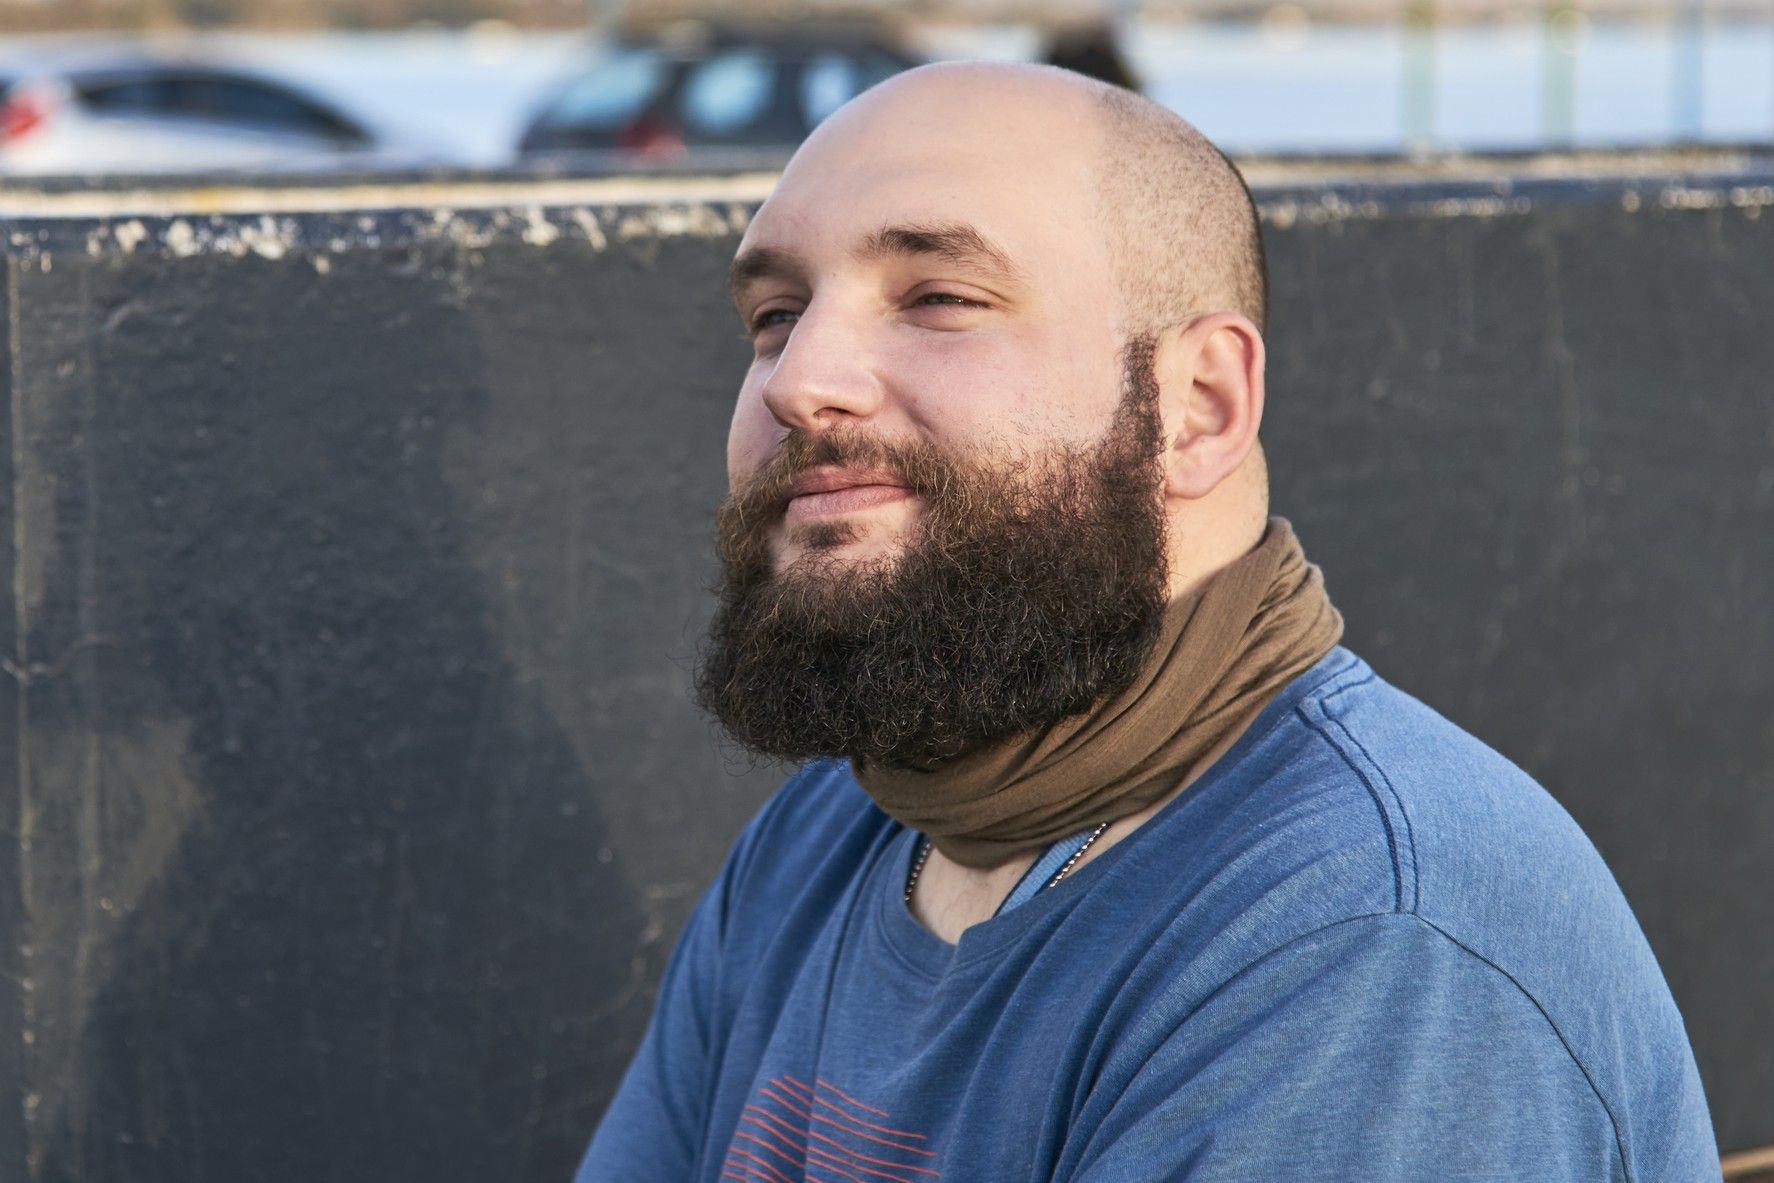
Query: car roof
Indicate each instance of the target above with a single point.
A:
(98, 65)
(689, 40)
(117, 68)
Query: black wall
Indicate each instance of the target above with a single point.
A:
(357, 559)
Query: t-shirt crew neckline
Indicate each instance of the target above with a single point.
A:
(929, 956)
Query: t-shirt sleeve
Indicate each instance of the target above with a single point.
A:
(1375, 1049)
(652, 1127)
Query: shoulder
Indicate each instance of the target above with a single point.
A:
(1462, 823)
(1374, 1048)
(1475, 847)
(1427, 819)
(1402, 813)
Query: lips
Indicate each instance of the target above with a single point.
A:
(825, 491)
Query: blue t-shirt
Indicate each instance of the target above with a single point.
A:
(1363, 946)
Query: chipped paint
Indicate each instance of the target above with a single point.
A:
(1329, 206)
(269, 239)
(1332, 206)
(1679, 195)
(1476, 207)
(272, 223)
(129, 235)
(538, 230)
(675, 221)
(180, 239)
(275, 236)
(266, 237)
(588, 223)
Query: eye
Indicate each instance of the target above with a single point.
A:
(946, 300)
(772, 317)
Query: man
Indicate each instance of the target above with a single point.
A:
(1107, 862)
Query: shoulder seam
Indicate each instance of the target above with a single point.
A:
(1347, 686)
(1595, 1090)
(1613, 1119)
(1374, 791)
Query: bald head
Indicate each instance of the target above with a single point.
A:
(1181, 226)
(1172, 211)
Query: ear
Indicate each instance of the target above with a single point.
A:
(1210, 399)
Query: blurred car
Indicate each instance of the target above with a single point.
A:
(668, 96)
(157, 115)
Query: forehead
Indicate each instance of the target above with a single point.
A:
(852, 181)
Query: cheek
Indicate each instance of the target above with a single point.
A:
(956, 383)
(751, 436)
(1009, 385)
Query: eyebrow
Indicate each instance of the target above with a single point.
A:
(760, 263)
(953, 242)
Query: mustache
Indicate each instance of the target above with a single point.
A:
(764, 497)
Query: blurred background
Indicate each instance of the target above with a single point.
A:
(197, 85)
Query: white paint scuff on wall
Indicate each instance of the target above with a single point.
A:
(270, 223)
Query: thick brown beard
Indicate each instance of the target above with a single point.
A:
(1027, 592)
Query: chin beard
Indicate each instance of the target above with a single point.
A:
(1028, 591)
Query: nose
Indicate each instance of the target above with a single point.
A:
(824, 374)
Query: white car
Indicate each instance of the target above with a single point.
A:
(162, 115)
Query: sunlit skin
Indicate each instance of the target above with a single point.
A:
(931, 268)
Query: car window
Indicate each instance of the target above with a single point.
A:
(831, 79)
(227, 100)
(828, 81)
(728, 91)
(610, 93)
(129, 96)
(233, 100)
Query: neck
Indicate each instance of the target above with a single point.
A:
(1205, 538)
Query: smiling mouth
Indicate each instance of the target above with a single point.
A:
(829, 492)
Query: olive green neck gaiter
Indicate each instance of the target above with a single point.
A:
(1223, 652)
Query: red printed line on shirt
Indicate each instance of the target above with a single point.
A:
(833, 1162)
(780, 1139)
(849, 1124)
(826, 1084)
(854, 1154)
(775, 1127)
(732, 1170)
(782, 1100)
(808, 1094)
(752, 1164)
